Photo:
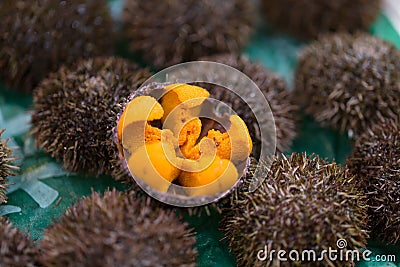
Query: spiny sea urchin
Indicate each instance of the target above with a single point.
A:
(75, 111)
(118, 230)
(17, 249)
(309, 18)
(168, 32)
(349, 82)
(275, 91)
(6, 169)
(38, 36)
(305, 203)
(376, 163)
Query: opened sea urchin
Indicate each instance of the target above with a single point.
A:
(349, 82)
(6, 167)
(75, 111)
(304, 203)
(17, 249)
(38, 36)
(118, 230)
(275, 91)
(376, 163)
(168, 32)
(309, 18)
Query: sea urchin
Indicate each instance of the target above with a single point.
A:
(305, 203)
(17, 249)
(349, 82)
(118, 230)
(309, 18)
(75, 111)
(38, 36)
(376, 163)
(168, 32)
(6, 169)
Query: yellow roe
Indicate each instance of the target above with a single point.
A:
(205, 165)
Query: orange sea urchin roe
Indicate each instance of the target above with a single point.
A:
(207, 165)
(138, 133)
(151, 164)
(188, 137)
(141, 108)
(222, 143)
(221, 169)
(191, 96)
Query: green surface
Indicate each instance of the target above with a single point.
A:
(274, 50)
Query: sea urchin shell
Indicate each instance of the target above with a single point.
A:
(118, 230)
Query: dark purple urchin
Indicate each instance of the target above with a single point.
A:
(305, 203)
(38, 36)
(349, 82)
(275, 91)
(376, 162)
(309, 18)
(75, 111)
(118, 230)
(168, 32)
(6, 167)
(16, 249)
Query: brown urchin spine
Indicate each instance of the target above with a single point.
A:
(310, 18)
(349, 82)
(273, 87)
(17, 249)
(6, 167)
(38, 36)
(118, 229)
(76, 109)
(376, 163)
(304, 203)
(188, 29)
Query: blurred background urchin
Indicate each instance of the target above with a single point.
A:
(310, 18)
(349, 82)
(38, 36)
(118, 229)
(168, 32)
